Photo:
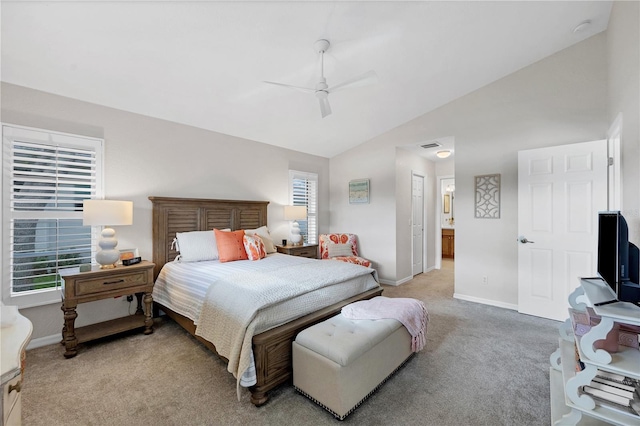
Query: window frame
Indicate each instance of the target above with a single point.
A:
(10, 134)
(312, 208)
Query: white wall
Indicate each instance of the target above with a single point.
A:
(623, 59)
(560, 99)
(385, 237)
(406, 163)
(446, 167)
(146, 156)
(375, 222)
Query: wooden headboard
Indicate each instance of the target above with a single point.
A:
(171, 215)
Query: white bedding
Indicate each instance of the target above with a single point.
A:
(183, 287)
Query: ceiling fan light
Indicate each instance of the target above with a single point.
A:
(443, 154)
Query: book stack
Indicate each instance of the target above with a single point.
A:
(615, 390)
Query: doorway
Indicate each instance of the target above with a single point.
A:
(447, 217)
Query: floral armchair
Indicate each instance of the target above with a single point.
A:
(343, 247)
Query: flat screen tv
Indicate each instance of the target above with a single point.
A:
(617, 257)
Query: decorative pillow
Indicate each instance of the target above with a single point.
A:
(254, 247)
(336, 250)
(195, 246)
(230, 245)
(264, 233)
(326, 239)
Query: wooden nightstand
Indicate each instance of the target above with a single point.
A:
(305, 250)
(99, 284)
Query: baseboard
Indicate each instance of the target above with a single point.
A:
(404, 280)
(44, 341)
(396, 283)
(485, 301)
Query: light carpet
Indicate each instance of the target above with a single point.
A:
(482, 365)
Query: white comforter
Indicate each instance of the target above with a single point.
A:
(245, 298)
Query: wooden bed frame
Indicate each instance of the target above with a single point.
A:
(272, 348)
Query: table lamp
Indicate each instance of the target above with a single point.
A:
(295, 213)
(107, 213)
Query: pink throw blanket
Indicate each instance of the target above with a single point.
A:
(411, 313)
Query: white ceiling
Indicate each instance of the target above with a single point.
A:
(203, 63)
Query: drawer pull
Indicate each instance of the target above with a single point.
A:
(17, 387)
(113, 282)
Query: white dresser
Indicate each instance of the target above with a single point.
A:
(15, 334)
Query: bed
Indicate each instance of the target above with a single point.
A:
(271, 348)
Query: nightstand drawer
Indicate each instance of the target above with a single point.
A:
(10, 399)
(111, 282)
(311, 252)
(307, 250)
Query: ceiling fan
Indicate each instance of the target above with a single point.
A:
(322, 90)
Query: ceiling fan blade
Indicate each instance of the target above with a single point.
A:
(325, 108)
(362, 80)
(302, 89)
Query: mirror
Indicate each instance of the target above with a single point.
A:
(448, 189)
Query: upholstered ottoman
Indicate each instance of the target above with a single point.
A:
(338, 363)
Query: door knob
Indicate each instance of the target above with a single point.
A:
(524, 240)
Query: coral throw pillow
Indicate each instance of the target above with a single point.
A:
(254, 246)
(230, 245)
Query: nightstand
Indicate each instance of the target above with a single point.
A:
(98, 284)
(305, 250)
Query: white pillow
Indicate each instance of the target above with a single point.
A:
(264, 233)
(195, 246)
(336, 250)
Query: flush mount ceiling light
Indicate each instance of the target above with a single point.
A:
(443, 154)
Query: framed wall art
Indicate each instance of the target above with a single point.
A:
(359, 191)
(487, 196)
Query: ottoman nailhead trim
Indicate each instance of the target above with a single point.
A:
(359, 402)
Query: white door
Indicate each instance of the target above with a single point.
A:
(417, 222)
(560, 192)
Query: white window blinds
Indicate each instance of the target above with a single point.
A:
(303, 188)
(45, 178)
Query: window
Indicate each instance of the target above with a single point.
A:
(303, 189)
(46, 176)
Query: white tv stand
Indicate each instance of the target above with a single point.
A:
(568, 403)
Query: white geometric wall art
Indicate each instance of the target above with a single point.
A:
(487, 190)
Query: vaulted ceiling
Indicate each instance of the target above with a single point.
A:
(203, 63)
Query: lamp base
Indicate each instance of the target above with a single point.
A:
(108, 256)
(111, 266)
(296, 238)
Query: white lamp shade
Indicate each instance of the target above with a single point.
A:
(107, 212)
(295, 212)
